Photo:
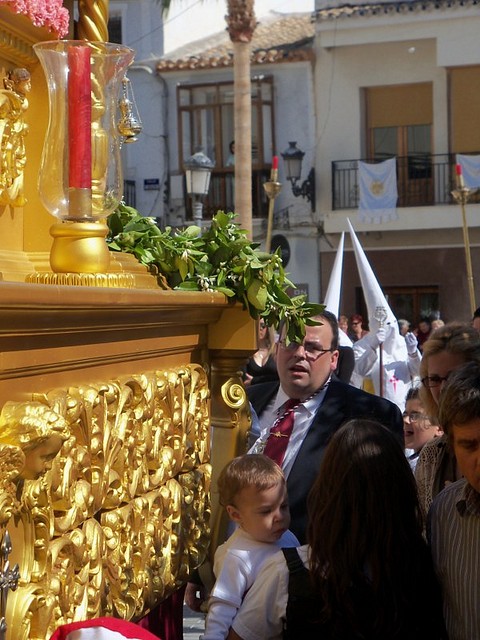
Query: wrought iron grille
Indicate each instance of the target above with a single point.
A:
(422, 180)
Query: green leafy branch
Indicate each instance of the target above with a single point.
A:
(221, 259)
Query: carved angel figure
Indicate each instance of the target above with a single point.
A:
(13, 129)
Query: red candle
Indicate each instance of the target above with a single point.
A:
(275, 162)
(79, 118)
(460, 181)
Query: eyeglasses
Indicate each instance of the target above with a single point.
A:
(355, 323)
(415, 416)
(311, 349)
(434, 381)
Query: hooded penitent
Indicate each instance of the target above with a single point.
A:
(332, 297)
(399, 368)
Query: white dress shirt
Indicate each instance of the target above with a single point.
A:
(303, 416)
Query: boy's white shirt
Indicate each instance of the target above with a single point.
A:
(236, 565)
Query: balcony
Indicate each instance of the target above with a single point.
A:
(221, 194)
(422, 180)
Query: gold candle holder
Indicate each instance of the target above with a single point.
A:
(272, 189)
(80, 178)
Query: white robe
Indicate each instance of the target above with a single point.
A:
(399, 369)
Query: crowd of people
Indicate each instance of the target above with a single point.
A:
(365, 522)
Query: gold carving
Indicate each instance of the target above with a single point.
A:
(118, 280)
(105, 492)
(93, 20)
(13, 129)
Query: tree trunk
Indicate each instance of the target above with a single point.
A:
(243, 135)
(241, 25)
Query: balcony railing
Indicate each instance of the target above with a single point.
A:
(422, 180)
(221, 194)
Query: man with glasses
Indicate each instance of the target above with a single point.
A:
(320, 404)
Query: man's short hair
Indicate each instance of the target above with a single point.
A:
(331, 319)
(460, 397)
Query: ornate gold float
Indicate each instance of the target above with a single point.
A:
(122, 391)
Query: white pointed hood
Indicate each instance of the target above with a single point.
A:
(373, 294)
(332, 297)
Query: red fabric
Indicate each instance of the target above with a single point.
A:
(166, 620)
(127, 629)
(277, 444)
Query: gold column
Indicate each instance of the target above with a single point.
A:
(93, 20)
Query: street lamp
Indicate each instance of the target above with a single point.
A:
(198, 169)
(293, 157)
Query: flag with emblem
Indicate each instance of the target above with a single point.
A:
(378, 191)
(470, 170)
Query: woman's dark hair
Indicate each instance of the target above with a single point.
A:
(365, 528)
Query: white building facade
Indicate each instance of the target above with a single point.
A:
(400, 80)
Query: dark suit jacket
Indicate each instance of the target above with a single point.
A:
(342, 402)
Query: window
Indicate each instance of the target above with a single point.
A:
(399, 123)
(205, 116)
(115, 29)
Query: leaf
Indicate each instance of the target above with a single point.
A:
(257, 294)
(222, 259)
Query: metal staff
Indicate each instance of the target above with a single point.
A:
(461, 195)
(380, 316)
(272, 189)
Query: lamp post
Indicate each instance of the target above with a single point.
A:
(198, 169)
(293, 157)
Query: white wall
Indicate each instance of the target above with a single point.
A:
(144, 160)
(190, 20)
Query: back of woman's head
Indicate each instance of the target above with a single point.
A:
(457, 338)
(364, 519)
(365, 492)
(365, 531)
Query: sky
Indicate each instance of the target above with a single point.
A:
(190, 20)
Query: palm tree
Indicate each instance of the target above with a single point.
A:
(241, 25)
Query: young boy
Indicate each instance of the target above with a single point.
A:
(253, 491)
(454, 517)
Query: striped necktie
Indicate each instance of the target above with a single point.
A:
(280, 432)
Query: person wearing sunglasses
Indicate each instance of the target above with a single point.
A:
(356, 328)
(320, 404)
(448, 348)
